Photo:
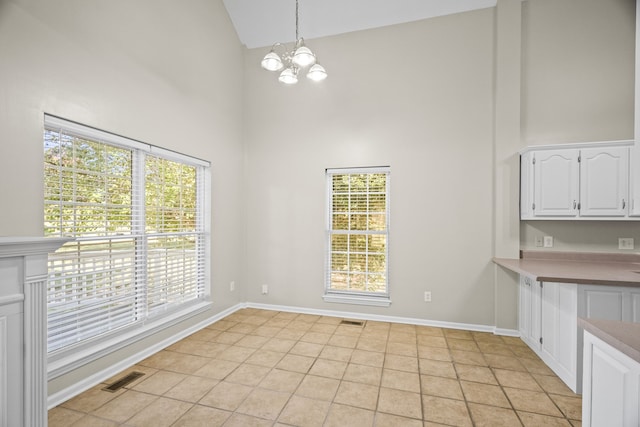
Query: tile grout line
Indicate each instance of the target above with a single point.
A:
(360, 337)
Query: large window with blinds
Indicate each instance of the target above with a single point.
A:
(137, 214)
(358, 236)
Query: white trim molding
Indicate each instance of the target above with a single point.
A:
(4, 343)
(24, 283)
(23, 246)
(357, 299)
(391, 319)
(108, 372)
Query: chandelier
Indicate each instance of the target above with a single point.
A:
(293, 61)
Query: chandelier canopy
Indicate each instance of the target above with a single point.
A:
(293, 61)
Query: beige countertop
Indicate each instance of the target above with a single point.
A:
(623, 336)
(577, 267)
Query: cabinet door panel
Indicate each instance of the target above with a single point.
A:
(550, 320)
(529, 311)
(526, 186)
(603, 304)
(607, 389)
(567, 306)
(634, 174)
(536, 311)
(604, 178)
(559, 331)
(524, 308)
(611, 386)
(635, 306)
(556, 176)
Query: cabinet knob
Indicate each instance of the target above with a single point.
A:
(624, 204)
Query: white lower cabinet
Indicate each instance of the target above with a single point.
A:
(611, 389)
(529, 312)
(548, 320)
(559, 330)
(610, 302)
(548, 324)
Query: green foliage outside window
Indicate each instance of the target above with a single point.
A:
(90, 194)
(358, 252)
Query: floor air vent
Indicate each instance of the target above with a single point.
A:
(127, 379)
(352, 322)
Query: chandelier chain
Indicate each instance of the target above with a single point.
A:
(297, 21)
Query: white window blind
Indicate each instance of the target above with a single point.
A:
(137, 215)
(358, 231)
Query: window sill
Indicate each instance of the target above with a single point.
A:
(67, 360)
(357, 299)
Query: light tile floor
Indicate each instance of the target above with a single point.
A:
(268, 368)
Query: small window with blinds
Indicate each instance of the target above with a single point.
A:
(137, 216)
(358, 236)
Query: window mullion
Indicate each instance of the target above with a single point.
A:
(138, 230)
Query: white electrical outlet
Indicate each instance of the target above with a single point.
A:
(548, 241)
(265, 289)
(539, 241)
(625, 243)
(232, 286)
(427, 296)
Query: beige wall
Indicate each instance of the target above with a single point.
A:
(145, 69)
(454, 101)
(578, 86)
(578, 70)
(433, 99)
(417, 97)
(506, 218)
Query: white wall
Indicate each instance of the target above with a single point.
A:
(417, 97)
(578, 86)
(145, 69)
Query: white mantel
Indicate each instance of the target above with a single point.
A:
(23, 329)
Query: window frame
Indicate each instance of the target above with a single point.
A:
(333, 295)
(68, 358)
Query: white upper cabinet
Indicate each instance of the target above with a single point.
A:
(634, 193)
(526, 185)
(556, 174)
(579, 181)
(634, 167)
(604, 181)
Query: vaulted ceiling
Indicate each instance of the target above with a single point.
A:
(264, 22)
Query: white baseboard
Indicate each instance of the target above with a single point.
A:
(507, 332)
(391, 319)
(100, 376)
(91, 381)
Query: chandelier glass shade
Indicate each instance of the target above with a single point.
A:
(300, 57)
